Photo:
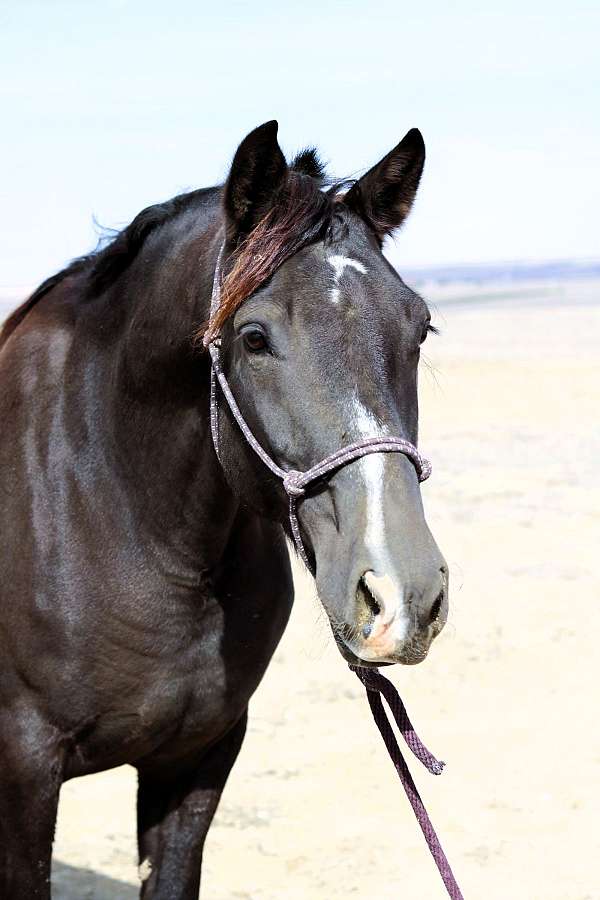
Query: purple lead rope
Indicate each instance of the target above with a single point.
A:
(295, 485)
(376, 685)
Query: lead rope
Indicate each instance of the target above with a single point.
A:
(295, 484)
(376, 685)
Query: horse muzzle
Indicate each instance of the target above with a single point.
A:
(394, 623)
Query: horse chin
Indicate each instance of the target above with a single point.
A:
(353, 660)
(409, 655)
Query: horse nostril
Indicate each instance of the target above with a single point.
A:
(370, 606)
(435, 609)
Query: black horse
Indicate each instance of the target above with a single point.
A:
(144, 583)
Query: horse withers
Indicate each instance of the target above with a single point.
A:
(145, 581)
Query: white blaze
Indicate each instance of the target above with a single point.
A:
(382, 580)
(339, 263)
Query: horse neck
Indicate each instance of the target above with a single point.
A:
(159, 395)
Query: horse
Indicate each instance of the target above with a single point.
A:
(145, 581)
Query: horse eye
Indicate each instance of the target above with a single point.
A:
(429, 329)
(254, 340)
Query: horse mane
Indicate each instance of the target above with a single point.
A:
(305, 210)
(17, 316)
(301, 214)
(113, 254)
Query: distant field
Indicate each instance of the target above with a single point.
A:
(549, 292)
(520, 283)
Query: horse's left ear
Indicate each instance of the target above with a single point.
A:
(257, 173)
(384, 196)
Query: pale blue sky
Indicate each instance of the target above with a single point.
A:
(108, 107)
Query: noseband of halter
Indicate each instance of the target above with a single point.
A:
(295, 483)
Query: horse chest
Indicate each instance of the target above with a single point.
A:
(226, 662)
(183, 686)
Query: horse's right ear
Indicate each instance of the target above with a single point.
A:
(258, 171)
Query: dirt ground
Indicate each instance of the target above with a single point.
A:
(508, 696)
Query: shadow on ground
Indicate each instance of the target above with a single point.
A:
(72, 883)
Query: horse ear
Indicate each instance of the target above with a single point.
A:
(258, 171)
(384, 196)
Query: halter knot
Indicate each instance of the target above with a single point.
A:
(291, 484)
(369, 677)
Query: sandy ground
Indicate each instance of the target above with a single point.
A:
(508, 696)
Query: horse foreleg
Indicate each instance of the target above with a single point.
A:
(174, 815)
(30, 779)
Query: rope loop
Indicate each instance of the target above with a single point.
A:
(425, 468)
